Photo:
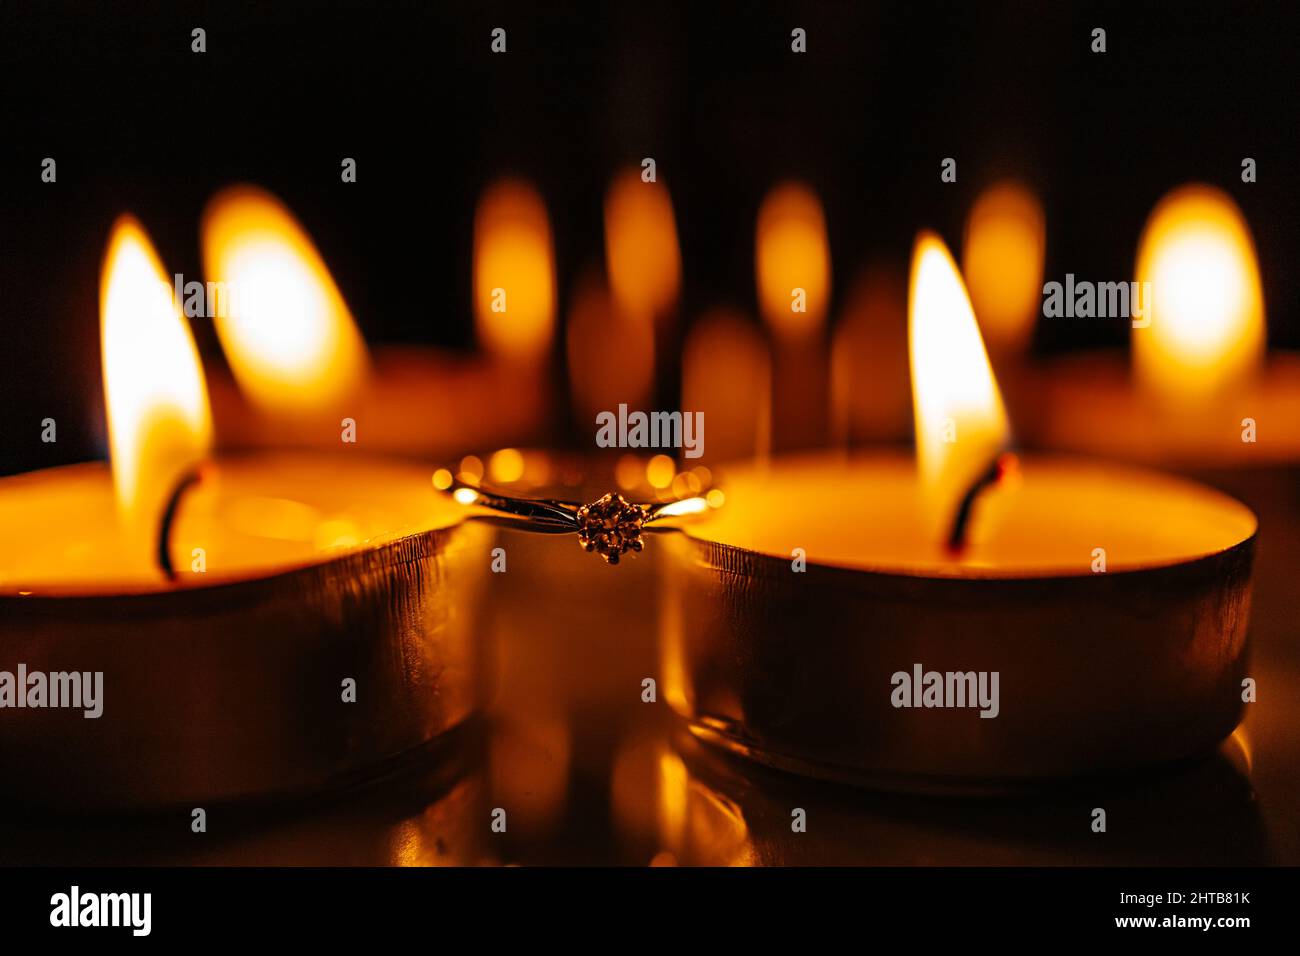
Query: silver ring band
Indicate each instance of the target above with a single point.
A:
(609, 526)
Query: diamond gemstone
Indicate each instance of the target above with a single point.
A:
(610, 526)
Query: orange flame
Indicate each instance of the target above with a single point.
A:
(791, 253)
(514, 272)
(1206, 328)
(961, 424)
(1002, 260)
(291, 341)
(154, 393)
(642, 256)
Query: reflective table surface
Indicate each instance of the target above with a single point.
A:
(573, 767)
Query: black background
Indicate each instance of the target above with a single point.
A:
(739, 908)
(137, 122)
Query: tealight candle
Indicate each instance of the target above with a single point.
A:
(1201, 390)
(302, 374)
(281, 626)
(1087, 617)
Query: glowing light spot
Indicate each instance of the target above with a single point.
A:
(659, 471)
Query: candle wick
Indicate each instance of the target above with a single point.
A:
(1002, 463)
(186, 481)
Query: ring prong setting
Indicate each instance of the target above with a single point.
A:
(611, 526)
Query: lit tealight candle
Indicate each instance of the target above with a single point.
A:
(1082, 618)
(1201, 391)
(226, 618)
(303, 375)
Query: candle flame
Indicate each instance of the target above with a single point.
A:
(642, 256)
(514, 272)
(961, 424)
(290, 339)
(159, 427)
(1206, 328)
(1002, 260)
(792, 256)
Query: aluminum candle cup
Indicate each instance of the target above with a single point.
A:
(235, 690)
(1096, 671)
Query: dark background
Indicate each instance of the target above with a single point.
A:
(411, 90)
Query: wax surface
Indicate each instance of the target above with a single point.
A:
(251, 515)
(864, 512)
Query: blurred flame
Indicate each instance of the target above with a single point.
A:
(791, 252)
(961, 425)
(513, 252)
(154, 393)
(291, 341)
(1207, 309)
(642, 256)
(1002, 260)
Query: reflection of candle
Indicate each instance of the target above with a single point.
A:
(300, 362)
(718, 812)
(1110, 601)
(793, 269)
(294, 575)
